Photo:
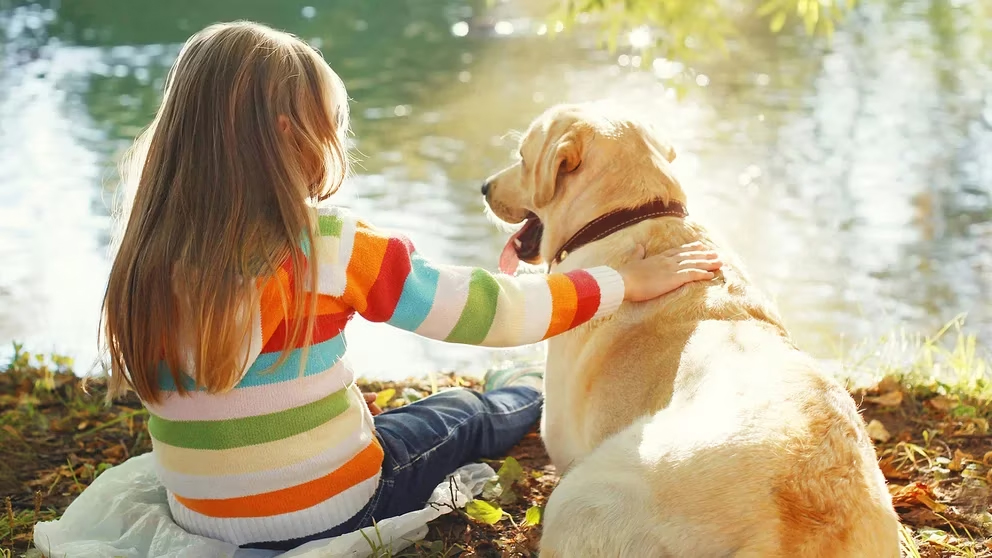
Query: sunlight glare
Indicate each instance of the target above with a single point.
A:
(459, 29)
(503, 28)
(640, 37)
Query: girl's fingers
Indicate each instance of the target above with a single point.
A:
(696, 275)
(708, 265)
(701, 255)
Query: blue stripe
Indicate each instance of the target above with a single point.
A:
(417, 297)
(321, 357)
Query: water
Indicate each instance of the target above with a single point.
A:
(855, 179)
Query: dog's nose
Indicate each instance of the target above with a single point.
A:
(485, 189)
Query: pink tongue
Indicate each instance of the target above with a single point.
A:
(509, 260)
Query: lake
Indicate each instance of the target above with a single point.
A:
(855, 177)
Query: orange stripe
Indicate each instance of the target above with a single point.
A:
(273, 290)
(271, 304)
(362, 467)
(564, 302)
(363, 269)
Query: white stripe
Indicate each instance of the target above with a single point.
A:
(611, 290)
(537, 307)
(334, 277)
(507, 325)
(309, 521)
(449, 302)
(236, 486)
(256, 400)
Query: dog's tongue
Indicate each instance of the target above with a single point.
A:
(509, 260)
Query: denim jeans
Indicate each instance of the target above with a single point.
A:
(427, 440)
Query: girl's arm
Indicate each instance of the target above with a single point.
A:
(384, 279)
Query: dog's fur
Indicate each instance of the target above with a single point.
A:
(688, 426)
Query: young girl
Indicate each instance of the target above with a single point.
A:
(228, 299)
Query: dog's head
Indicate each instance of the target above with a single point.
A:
(575, 163)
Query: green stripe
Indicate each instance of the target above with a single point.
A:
(248, 431)
(330, 225)
(479, 312)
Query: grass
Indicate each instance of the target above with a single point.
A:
(927, 400)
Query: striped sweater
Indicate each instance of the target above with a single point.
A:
(282, 455)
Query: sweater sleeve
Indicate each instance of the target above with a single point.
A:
(384, 279)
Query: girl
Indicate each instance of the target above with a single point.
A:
(228, 299)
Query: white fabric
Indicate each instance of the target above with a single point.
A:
(125, 513)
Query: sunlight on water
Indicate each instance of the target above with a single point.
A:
(854, 180)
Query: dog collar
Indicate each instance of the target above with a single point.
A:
(616, 220)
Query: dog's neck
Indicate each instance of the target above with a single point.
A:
(576, 216)
(617, 220)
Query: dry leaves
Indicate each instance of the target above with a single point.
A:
(877, 431)
(914, 494)
(890, 399)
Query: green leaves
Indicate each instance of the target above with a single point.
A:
(483, 511)
(534, 516)
(811, 15)
(510, 472)
(499, 492)
(777, 22)
(682, 29)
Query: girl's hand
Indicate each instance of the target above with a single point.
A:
(370, 401)
(648, 278)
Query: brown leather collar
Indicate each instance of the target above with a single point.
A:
(605, 225)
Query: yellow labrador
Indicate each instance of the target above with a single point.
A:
(690, 426)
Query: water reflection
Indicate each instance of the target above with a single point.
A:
(851, 178)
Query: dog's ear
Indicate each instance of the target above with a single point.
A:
(654, 140)
(561, 158)
(668, 152)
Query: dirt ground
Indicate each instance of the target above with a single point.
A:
(935, 450)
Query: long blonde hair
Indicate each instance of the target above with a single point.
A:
(250, 133)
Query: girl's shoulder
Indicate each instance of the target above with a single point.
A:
(336, 221)
(331, 220)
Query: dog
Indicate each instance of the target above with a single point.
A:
(691, 425)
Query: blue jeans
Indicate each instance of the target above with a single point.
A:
(427, 440)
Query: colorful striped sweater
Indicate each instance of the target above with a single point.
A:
(283, 455)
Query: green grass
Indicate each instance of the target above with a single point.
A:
(948, 362)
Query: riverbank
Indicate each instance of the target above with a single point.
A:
(932, 438)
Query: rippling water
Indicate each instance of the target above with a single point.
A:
(854, 178)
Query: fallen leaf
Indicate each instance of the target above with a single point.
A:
(534, 515)
(887, 384)
(12, 431)
(510, 472)
(384, 396)
(941, 403)
(877, 431)
(929, 502)
(959, 456)
(890, 399)
(987, 459)
(891, 471)
(83, 425)
(484, 511)
(114, 452)
(914, 494)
